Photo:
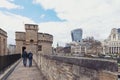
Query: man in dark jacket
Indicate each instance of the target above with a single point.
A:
(30, 57)
(24, 56)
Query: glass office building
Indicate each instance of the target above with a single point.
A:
(76, 35)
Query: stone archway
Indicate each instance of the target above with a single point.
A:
(23, 48)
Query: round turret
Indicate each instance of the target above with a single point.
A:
(45, 37)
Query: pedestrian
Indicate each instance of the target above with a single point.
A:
(30, 57)
(24, 56)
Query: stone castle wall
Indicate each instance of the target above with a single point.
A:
(20, 36)
(3, 42)
(20, 41)
(70, 68)
(44, 37)
(33, 40)
(46, 41)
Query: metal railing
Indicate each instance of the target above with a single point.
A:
(7, 60)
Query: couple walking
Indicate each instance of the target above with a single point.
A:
(26, 55)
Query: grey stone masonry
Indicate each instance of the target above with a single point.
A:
(77, 68)
(91, 63)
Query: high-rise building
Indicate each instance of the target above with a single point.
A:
(76, 35)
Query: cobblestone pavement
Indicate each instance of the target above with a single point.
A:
(25, 73)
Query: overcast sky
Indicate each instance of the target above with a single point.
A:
(59, 17)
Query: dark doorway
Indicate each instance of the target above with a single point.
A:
(23, 48)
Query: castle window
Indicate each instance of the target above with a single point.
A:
(31, 41)
(39, 47)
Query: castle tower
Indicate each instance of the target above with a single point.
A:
(33, 41)
(3, 42)
(31, 38)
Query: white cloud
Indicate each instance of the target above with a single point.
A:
(9, 5)
(12, 23)
(11, 0)
(95, 17)
(62, 30)
(59, 30)
(42, 16)
(79, 10)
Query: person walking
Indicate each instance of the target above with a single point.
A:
(30, 57)
(24, 56)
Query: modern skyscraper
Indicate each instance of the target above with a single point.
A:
(76, 35)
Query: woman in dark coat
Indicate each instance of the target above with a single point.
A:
(24, 56)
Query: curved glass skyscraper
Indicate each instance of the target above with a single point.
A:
(76, 35)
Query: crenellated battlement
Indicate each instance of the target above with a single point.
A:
(2, 32)
(20, 35)
(3, 42)
(31, 27)
(45, 37)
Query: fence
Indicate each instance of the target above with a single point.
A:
(7, 60)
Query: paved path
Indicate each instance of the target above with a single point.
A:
(25, 73)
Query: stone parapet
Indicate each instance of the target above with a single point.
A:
(97, 64)
(45, 37)
(77, 68)
(3, 42)
(107, 75)
(2, 32)
(20, 36)
(31, 26)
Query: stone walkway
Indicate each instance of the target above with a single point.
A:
(25, 73)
